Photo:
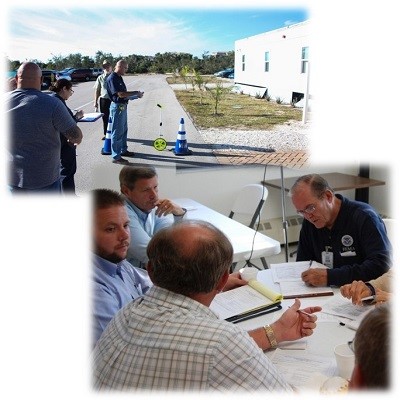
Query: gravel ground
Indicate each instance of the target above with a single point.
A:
(291, 136)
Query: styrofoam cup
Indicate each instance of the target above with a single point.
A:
(344, 360)
(248, 273)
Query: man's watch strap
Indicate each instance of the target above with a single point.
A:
(371, 288)
(271, 336)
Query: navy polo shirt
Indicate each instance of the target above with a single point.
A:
(116, 84)
(358, 240)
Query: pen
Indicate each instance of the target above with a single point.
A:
(311, 261)
(241, 318)
(303, 312)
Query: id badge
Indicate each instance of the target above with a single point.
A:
(327, 258)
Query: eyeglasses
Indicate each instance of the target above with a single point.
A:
(71, 90)
(351, 345)
(308, 210)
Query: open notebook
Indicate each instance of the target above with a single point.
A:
(244, 302)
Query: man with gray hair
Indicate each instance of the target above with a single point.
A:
(36, 121)
(119, 96)
(348, 237)
(169, 339)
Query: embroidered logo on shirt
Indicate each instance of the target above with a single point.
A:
(347, 240)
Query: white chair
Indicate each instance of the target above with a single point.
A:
(390, 228)
(248, 205)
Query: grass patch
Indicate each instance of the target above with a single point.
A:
(176, 79)
(236, 111)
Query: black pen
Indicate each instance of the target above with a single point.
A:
(309, 266)
(259, 314)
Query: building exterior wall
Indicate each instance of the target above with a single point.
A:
(285, 74)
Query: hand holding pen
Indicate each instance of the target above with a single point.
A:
(315, 276)
(295, 323)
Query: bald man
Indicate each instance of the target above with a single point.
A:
(119, 96)
(36, 121)
(169, 339)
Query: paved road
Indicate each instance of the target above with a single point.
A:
(144, 127)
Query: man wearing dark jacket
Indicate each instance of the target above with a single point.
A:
(348, 237)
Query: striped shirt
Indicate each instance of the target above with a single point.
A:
(167, 341)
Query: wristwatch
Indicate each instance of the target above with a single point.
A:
(181, 215)
(271, 336)
(371, 288)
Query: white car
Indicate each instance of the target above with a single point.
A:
(97, 71)
(63, 74)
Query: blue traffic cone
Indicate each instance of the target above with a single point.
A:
(181, 147)
(106, 150)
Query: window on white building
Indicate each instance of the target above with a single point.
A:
(266, 61)
(243, 62)
(304, 59)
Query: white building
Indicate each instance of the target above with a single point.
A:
(274, 63)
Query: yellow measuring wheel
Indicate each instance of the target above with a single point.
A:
(160, 144)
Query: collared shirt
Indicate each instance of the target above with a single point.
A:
(116, 84)
(101, 83)
(167, 341)
(143, 226)
(36, 121)
(358, 240)
(111, 293)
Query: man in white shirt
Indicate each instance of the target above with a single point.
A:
(100, 93)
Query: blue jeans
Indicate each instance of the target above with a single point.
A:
(119, 129)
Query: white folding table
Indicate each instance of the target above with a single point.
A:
(247, 243)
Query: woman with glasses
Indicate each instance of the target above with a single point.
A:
(62, 89)
(348, 238)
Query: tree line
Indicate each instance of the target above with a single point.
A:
(162, 63)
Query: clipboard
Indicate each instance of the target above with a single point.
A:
(90, 117)
(245, 302)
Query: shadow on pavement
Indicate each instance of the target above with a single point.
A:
(206, 146)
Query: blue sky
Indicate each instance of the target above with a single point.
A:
(41, 32)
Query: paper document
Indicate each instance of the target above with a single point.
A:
(90, 117)
(243, 299)
(293, 289)
(290, 271)
(342, 307)
(288, 275)
(297, 367)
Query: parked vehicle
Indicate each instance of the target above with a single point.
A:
(64, 74)
(225, 73)
(49, 76)
(97, 71)
(79, 74)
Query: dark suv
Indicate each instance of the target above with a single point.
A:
(49, 76)
(81, 74)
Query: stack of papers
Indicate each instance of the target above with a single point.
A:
(341, 307)
(288, 275)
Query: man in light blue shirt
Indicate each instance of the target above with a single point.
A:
(115, 281)
(147, 212)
